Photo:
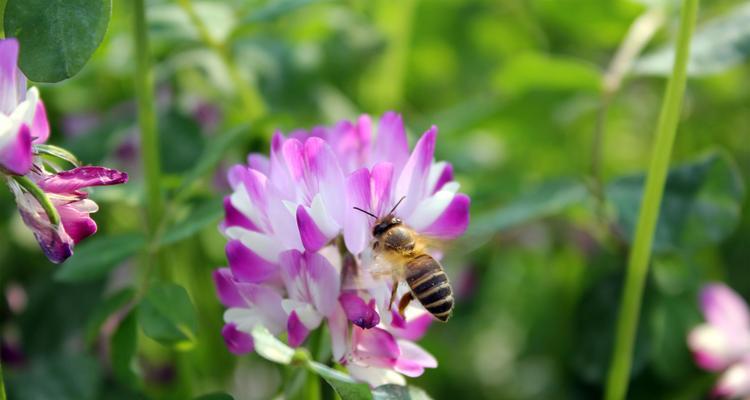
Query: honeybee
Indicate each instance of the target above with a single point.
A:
(404, 251)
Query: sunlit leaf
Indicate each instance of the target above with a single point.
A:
(533, 71)
(57, 37)
(123, 350)
(343, 384)
(717, 45)
(167, 315)
(701, 205)
(104, 310)
(271, 348)
(96, 256)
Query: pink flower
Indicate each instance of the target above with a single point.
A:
(23, 119)
(64, 190)
(292, 229)
(723, 342)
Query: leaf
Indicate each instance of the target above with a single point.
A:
(547, 199)
(271, 348)
(533, 71)
(181, 141)
(277, 9)
(167, 315)
(57, 37)
(96, 256)
(59, 377)
(670, 321)
(124, 345)
(717, 45)
(343, 384)
(397, 392)
(213, 154)
(215, 396)
(203, 215)
(701, 205)
(104, 310)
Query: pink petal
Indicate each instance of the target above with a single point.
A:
(326, 174)
(226, 288)
(297, 330)
(453, 221)
(234, 217)
(734, 382)
(82, 177)
(339, 329)
(9, 75)
(77, 224)
(414, 329)
(357, 227)
(40, 125)
(725, 309)
(359, 312)
(375, 347)
(324, 283)
(413, 359)
(16, 156)
(267, 302)
(259, 163)
(413, 180)
(312, 237)
(382, 187)
(238, 343)
(391, 143)
(247, 266)
(446, 175)
(293, 153)
(292, 273)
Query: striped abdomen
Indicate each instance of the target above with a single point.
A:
(429, 284)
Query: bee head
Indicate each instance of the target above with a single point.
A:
(384, 224)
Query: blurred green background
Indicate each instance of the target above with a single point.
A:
(546, 133)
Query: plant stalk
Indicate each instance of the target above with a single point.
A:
(2, 383)
(41, 197)
(627, 324)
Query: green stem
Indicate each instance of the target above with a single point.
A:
(144, 88)
(627, 324)
(252, 101)
(41, 197)
(2, 384)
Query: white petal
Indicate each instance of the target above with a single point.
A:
(244, 318)
(265, 246)
(430, 209)
(310, 318)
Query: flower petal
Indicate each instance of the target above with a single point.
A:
(413, 359)
(440, 174)
(226, 288)
(356, 229)
(264, 246)
(413, 180)
(8, 75)
(233, 217)
(374, 376)
(414, 328)
(267, 302)
(40, 125)
(324, 283)
(337, 325)
(76, 221)
(297, 330)
(453, 221)
(326, 173)
(381, 186)
(391, 143)
(312, 237)
(238, 343)
(725, 309)
(247, 266)
(359, 312)
(82, 177)
(375, 346)
(16, 156)
(734, 382)
(259, 163)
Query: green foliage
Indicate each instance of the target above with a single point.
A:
(166, 315)
(63, 377)
(97, 256)
(396, 392)
(57, 37)
(123, 350)
(104, 310)
(215, 396)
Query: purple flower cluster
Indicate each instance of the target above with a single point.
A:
(299, 253)
(24, 125)
(722, 344)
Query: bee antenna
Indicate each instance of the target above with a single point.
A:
(397, 204)
(366, 212)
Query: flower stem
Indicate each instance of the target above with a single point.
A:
(40, 196)
(144, 88)
(2, 383)
(619, 371)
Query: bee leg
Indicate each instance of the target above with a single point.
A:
(405, 300)
(393, 295)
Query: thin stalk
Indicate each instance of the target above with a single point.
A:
(2, 384)
(627, 324)
(40, 196)
(252, 101)
(144, 88)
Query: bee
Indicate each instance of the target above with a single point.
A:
(404, 250)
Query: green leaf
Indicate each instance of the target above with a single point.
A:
(701, 205)
(343, 384)
(396, 392)
(670, 320)
(275, 9)
(104, 310)
(203, 215)
(181, 141)
(167, 315)
(57, 37)
(215, 396)
(547, 199)
(124, 345)
(58, 377)
(271, 348)
(717, 45)
(213, 154)
(533, 71)
(96, 256)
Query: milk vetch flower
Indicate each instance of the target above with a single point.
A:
(299, 253)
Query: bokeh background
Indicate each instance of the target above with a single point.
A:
(546, 133)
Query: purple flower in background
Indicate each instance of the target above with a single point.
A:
(723, 342)
(23, 119)
(292, 230)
